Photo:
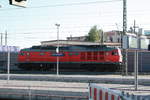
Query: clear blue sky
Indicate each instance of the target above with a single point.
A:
(29, 26)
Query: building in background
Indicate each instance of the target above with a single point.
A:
(79, 38)
(112, 36)
(67, 42)
(71, 42)
(4, 48)
(145, 32)
(108, 37)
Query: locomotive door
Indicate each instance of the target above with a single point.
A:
(27, 56)
(95, 56)
(83, 56)
(101, 56)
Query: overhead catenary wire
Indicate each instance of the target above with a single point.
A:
(48, 29)
(68, 4)
(134, 12)
(72, 4)
(19, 33)
(82, 3)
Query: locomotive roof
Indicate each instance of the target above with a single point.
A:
(72, 47)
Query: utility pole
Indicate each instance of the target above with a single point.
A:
(5, 38)
(124, 51)
(1, 38)
(134, 26)
(57, 49)
(8, 58)
(135, 62)
(102, 37)
(117, 33)
(8, 63)
(124, 17)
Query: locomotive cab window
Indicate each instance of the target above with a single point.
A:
(114, 53)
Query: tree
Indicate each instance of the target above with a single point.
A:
(94, 34)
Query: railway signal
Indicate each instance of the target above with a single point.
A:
(20, 3)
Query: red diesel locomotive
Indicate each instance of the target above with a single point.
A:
(93, 57)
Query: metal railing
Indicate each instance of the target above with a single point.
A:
(97, 92)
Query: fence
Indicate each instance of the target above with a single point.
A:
(97, 92)
(11, 49)
(143, 61)
(4, 59)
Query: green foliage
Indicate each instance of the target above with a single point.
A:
(94, 34)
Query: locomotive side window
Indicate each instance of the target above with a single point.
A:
(70, 54)
(73, 53)
(76, 53)
(42, 53)
(22, 54)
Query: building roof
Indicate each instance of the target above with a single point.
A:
(70, 42)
